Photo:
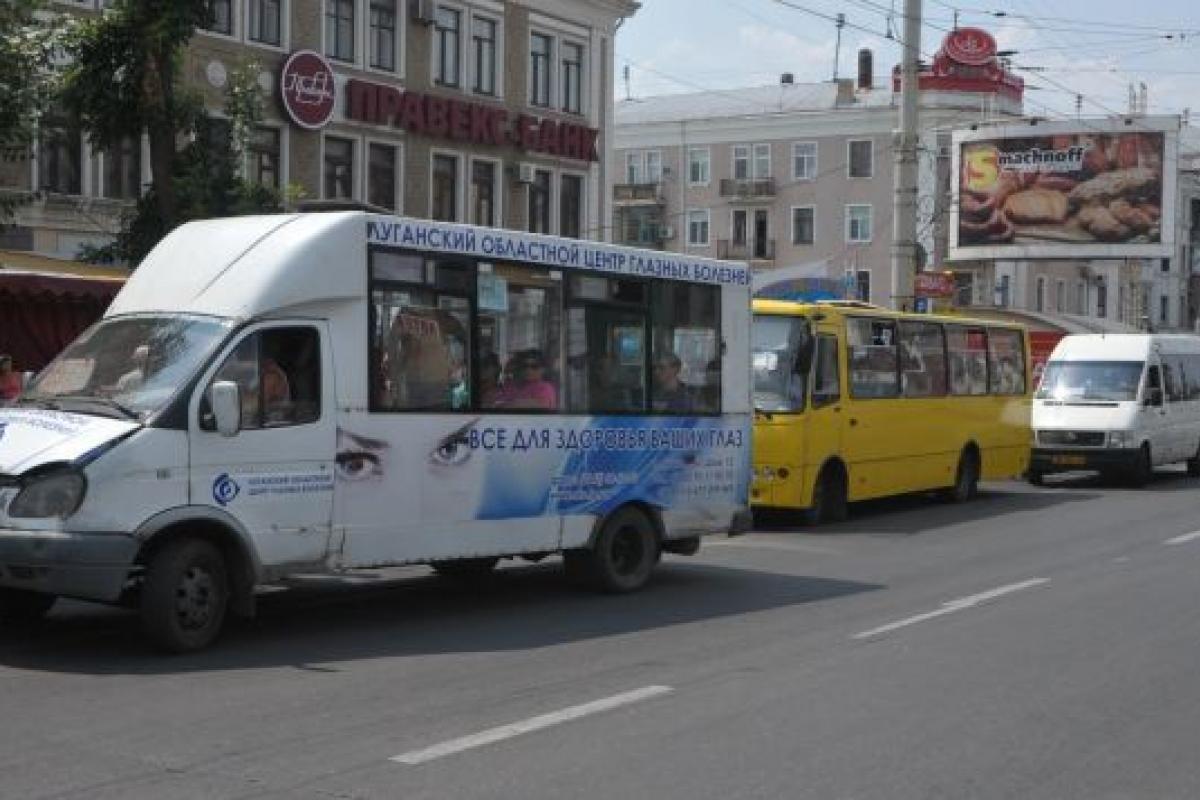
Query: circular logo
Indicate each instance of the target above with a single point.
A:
(225, 489)
(971, 46)
(308, 90)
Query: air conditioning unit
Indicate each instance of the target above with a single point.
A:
(666, 233)
(424, 12)
(525, 173)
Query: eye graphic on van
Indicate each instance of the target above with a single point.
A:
(225, 489)
(454, 449)
(359, 457)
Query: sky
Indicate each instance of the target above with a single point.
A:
(1096, 48)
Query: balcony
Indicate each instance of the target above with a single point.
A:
(761, 188)
(638, 194)
(760, 250)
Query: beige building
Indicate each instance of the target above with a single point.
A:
(493, 112)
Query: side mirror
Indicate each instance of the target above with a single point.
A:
(227, 407)
(1154, 397)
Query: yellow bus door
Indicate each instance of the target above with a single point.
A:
(825, 419)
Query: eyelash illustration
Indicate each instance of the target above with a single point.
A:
(454, 449)
(358, 457)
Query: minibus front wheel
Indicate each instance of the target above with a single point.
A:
(185, 595)
(830, 502)
(966, 477)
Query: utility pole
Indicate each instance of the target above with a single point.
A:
(837, 48)
(904, 220)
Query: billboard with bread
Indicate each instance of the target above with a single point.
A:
(1079, 189)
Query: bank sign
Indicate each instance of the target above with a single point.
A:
(310, 93)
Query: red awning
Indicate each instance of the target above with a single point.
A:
(59, 287)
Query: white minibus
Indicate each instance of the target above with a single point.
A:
(1119, 404)
(315, 393)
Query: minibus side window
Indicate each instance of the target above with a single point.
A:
(1173, 377)
(922, 359)
(606, 337)
(278, 373)
(827, 387)
(686, 355)
(1006, 362)
(874, 363)
(968, 360)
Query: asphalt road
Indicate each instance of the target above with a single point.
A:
(1036, 643)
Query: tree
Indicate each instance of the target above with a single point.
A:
(123, 80)
(27, 81)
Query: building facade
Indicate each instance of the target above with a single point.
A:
(493, 112)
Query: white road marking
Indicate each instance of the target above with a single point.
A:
(951, 606)
(1187, 537)
(530, 725)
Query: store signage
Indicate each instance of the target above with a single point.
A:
(970, 46)
(308, 89)
(934, 284)
(476, 123)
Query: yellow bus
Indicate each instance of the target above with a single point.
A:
(855, 402)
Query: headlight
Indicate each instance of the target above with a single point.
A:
(55, 494)
(1119, 439)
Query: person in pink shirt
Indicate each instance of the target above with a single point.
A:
(10, 380)
(528, 388)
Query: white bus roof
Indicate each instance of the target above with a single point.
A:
(246, 267)
(1122, 346)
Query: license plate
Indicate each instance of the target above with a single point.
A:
(1069, 461)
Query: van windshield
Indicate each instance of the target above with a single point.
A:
(1102, 381)
(127, 366)
(777, 341)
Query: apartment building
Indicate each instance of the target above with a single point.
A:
(798, 175)
(493, 112)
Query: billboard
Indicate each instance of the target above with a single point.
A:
(1078, 189)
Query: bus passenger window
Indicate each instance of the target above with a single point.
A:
(873, 359)
(686, 343)
(968, 360)
(519, 326)
(922, 359)
(1006, 362)
(826, 382)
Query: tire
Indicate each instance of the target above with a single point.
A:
(1193, 466)
(623, 556)
(185, 595)
(966, 479)
(829, 499)
(1142, 470)
(466, 569)
(19, 607)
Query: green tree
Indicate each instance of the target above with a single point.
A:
(125, 79)
(27, 81)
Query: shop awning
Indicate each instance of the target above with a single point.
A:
(30, 274)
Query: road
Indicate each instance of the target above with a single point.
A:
(1036, 643)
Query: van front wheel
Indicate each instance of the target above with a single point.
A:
(185, 595)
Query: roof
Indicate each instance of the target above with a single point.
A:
(779, 98)
(1122, 346)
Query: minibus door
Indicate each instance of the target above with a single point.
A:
(1154, 414)
(275, 474)
(823, 432)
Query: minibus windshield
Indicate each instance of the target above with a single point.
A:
(1083, 381)
(776, 343)
(127, 366)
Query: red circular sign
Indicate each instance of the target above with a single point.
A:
(970, 46)
(308, 89)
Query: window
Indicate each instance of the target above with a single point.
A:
(572, 77)
(1165, 265)
(698, 166)
(539, 201)
(1101, 301)
(339, 168)
(968, 348)
(827, 387)
(740, 225)
(263, 153)
(858, 224)
(1060, 296)
(381, 175)
(570, 207)
(777, 343)
(278, 374)
(339, 29)
(861, 158)
(922, 360)
(383, 34)
(445, 188)
(653, 166)
(60, 156)
(873, 361)
(1003, 291)
(1163, 310)
(606, 345)
(862, 285)
(762, 161)
(1080, 298)
(804, 161)
(741, 162)
(446, 31)
(421, 334)
(1040, 299)
(220, 16)
(483, 193)
(483, 46)
(123, 170)
(803, 225)
(698, 227)
(541, 48)
(1006, 362)
(519, 335)
(685, 357)
(265, 21)
(633, 167)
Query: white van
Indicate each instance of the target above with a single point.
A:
(1122, 403)
(315, 393)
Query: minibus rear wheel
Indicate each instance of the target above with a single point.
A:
(185, 595)
(22, 607)
(622, 557)
(1193, 465)
(966, 478)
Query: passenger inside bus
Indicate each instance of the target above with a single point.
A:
(670, 394)
(527, 388)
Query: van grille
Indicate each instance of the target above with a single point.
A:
(1072, 438)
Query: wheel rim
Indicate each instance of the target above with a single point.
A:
(196, 599)
(628, 551)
